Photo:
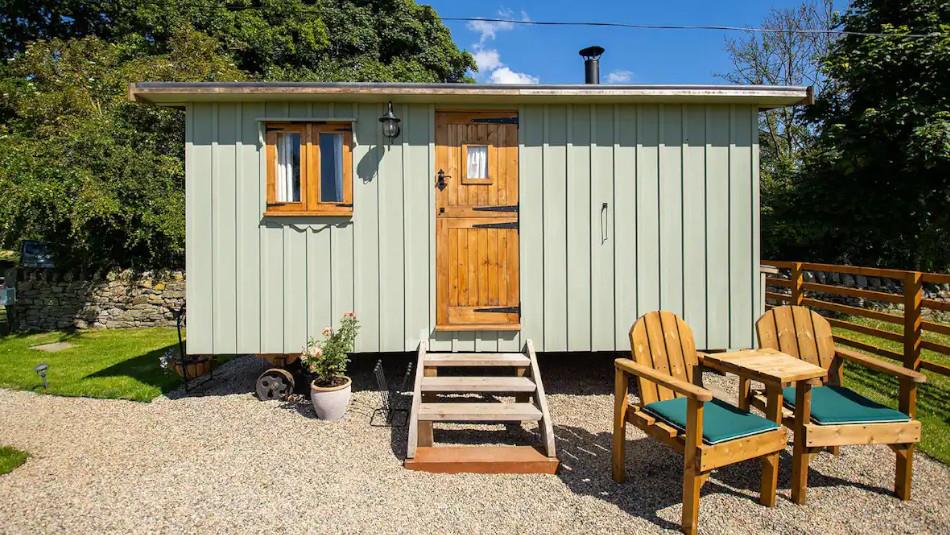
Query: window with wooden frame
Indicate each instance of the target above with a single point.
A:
(309, 169)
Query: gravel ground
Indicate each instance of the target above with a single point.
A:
(222, 462)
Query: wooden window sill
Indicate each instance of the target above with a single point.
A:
(308, 213)
(479, 327)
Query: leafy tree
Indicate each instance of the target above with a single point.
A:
(785, 57)
(353, 40)
(876, 188)
(81, 167)
(102, 179)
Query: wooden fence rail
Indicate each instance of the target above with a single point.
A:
(796, 291)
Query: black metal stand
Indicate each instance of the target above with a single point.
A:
(388, 407)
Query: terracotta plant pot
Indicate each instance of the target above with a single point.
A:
(194, 369)
(330, 402)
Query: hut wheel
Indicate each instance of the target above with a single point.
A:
(274, 383)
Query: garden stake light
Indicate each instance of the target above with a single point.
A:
(40, 370)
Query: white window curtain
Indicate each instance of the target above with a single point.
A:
(331, 167)
(338, 158)
(477, 161)
(288, 167)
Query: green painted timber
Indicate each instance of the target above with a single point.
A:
(625, 208)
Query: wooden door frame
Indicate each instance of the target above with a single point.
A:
(474, 112)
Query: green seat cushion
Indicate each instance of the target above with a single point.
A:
(721, 421)
(831, 405)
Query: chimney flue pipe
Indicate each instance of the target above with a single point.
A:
(591, 57)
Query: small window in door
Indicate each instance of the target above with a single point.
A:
(476, 164)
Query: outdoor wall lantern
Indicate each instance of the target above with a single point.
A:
(390, 122)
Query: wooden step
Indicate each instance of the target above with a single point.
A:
(477, 384)
(482, 460)
(477, 359)
(478, 412)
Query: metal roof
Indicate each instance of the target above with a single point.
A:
(179, 93)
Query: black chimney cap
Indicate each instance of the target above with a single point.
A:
(592, 52)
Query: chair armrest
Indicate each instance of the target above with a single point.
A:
(677, 385)
(879, 365)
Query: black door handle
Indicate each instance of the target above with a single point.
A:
(441, 182)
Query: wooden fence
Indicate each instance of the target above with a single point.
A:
(796, 291)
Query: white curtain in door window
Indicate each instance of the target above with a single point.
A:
(477, 160)
(288, 167)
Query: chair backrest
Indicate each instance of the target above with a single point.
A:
(661, 340)
(799, 332)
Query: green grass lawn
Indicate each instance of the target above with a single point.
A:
(10, 458)
(933, 397)
(114, 364)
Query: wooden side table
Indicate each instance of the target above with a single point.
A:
(774, 369)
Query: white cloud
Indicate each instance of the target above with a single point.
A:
(490, 66)
(487, 59)
(489, 29)
(504, 75)
(619, 77)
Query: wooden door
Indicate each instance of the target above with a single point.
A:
(476, 187)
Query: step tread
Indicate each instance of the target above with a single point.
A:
(478, 384)
(477, 359)
(478, 412)
(482, 459)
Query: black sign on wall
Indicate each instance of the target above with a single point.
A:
(36, 254)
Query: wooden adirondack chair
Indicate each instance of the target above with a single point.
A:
(839, 416)
(674, 409)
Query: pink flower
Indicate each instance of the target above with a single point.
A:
(327, 331)
(350, 314)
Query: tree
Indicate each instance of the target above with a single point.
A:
(353, 40)
(785, 56)
(98, 177)
(102, 179)
(876, 187)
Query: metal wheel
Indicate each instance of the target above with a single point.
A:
(274, 383)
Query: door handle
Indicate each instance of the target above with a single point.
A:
(603, 223)
(441, 182)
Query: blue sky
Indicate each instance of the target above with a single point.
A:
(531, 54)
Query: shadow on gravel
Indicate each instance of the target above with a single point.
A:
(236, 375)
(654, 474)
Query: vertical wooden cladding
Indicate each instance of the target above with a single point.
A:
(623, 208)
(632, 208)
(255, 284)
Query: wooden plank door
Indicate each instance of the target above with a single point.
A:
(477, 221)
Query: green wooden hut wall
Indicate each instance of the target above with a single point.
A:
(680, 230)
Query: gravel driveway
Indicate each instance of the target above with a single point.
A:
(223, 462)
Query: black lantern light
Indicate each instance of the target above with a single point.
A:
(40, 370)
(390, 122)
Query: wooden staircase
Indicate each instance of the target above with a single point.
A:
(428, 407)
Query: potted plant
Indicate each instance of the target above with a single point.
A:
(327, 360)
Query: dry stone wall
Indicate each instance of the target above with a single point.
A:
(47, 300)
